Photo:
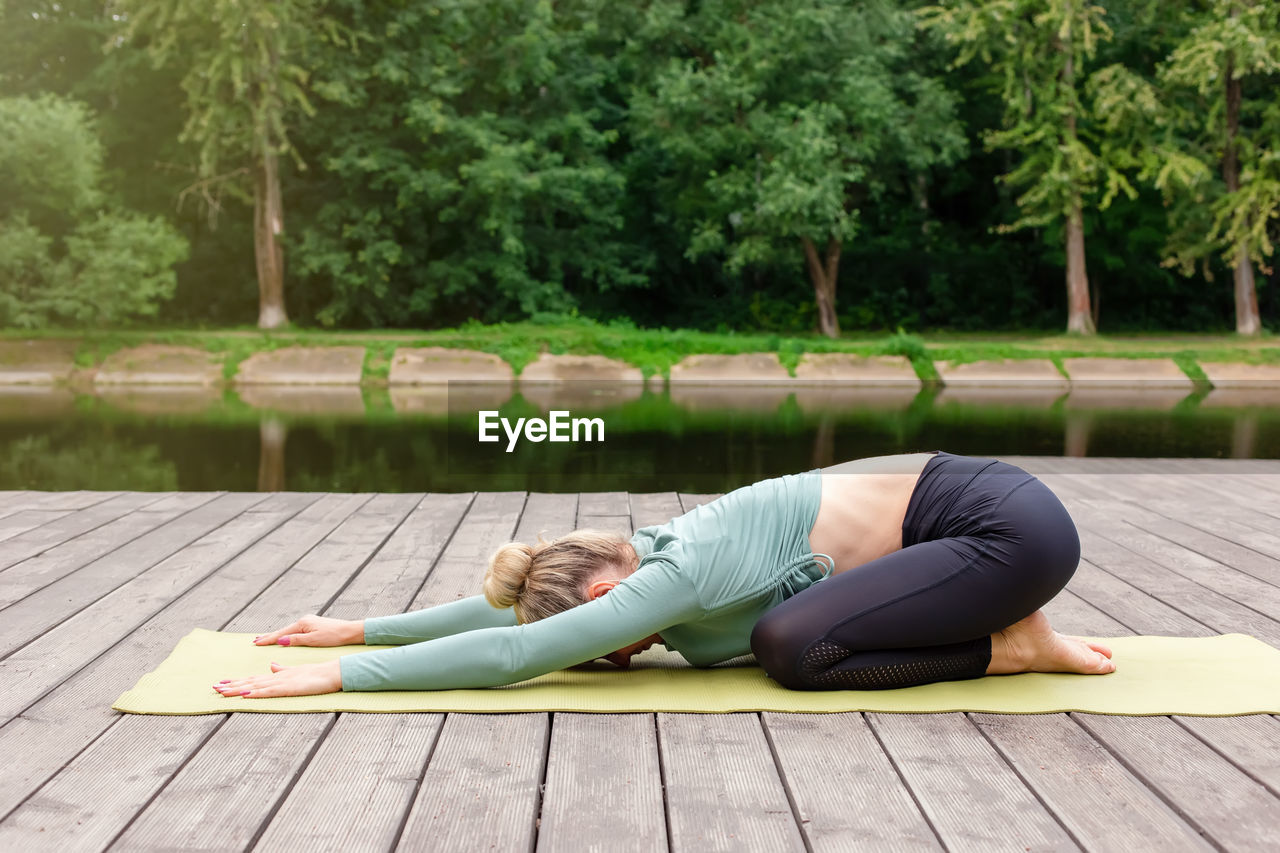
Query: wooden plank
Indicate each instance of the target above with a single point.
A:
(723, 790)
(61, 598)
(1245, 492)
(12, 501)
(39, 666)
(1265, 486)
(47, 536)
(851, 801)
(68, 500)
(1224, 551)
(688, 501)
(654, 508)
(603, 503)
(603, 788)
(391, 579)
(1251, 743)
(28, 519)
(1105, 521)
(1098, 801)
(459, 572)
(971, 797)
(1193, 593)
(436, 525)
(1239, 525)
(375, 760)
(86, 805)
(546, 515)
(1125, 603)
(307, 586)
(50, 732)
(1107, 514)
(1211, 793)
(603, 785)
(127, 534)
(480, 791)
(353, 794)
(1228, 511)
(1071, 614)
(219, 799)
(319, 576)
(498, 760)
(1202, 603)
(608, 523)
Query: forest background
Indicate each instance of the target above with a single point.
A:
(721, 165)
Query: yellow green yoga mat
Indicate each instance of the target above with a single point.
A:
(1206, 676)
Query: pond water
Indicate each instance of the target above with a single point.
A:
(696, 440)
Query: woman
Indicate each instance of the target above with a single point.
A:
(878, 573)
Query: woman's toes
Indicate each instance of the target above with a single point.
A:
(1100, 649)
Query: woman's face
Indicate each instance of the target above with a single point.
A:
(622, 657)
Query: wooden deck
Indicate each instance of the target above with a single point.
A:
(95, 589)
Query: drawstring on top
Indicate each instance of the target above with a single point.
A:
(799, 565)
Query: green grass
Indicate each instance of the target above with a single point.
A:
(655, 351)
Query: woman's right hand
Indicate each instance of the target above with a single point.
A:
(316, 631)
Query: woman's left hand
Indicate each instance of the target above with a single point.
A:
(307, 679)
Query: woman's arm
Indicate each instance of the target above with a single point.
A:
(453, 618)
(456, 617)
(652, 599)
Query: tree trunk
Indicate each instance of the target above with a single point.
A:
(1079, 316)
(824, 276)
(1248, 321)
(268, 225)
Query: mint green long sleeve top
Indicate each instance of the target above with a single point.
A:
(703, 581)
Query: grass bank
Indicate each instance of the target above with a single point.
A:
(654, 351)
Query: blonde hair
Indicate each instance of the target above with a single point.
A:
(547, 578)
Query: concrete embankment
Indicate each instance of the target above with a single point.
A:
(50, 362)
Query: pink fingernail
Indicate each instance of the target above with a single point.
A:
(225, 681)
(284, 641)
(246, 693)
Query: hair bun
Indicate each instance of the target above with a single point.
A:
(508, 573)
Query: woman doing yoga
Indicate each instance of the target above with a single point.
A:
(877, 573)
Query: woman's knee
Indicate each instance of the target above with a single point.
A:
(1050, 551)
(778, 648)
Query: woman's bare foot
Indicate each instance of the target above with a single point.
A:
(1033, 646)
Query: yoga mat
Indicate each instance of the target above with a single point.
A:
(1207, 676)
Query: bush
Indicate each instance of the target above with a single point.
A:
(65, 255)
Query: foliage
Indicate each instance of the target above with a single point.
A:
(50, 160)
(466, 168)
(770, 124)
(1038, 49)
(240, 74)
(652, 162)
(66, 254)
(1242, 38)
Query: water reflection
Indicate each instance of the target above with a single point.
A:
(701, 439)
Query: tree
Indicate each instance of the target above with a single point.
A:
(1039, 49)
(243, 87)
(466, 165)
(67, 252)
(776, 122)
(1213, 109)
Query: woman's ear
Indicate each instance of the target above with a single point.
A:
(599, 588)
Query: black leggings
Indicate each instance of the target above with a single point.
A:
(984, 544)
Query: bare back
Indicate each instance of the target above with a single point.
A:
(863, 505)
